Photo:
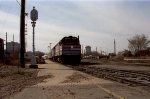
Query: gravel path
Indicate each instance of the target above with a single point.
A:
(66, 83)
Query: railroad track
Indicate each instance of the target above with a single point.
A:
(123, 76)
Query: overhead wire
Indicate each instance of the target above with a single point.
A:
(11, 10)
(18, 3)
(4, 15)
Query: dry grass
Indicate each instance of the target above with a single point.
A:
(12, 81)
(75, 78)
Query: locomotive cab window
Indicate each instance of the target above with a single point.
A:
(70, 41)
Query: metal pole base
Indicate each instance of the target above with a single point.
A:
(33, 66)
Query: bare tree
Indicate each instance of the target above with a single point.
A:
(138, 43)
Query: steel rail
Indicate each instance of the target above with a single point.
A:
(122, 76)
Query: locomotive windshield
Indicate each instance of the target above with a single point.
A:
(70, 41)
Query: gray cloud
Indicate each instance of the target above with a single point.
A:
(97, 23)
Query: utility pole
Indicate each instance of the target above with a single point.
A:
(114, 47)
(22, 34)
(6, 42)
(96, 49)
(6, 46)
(82, 49)
(50, 46)
(96, 52)
(50, 49)
(13, 45)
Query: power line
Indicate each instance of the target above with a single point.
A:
(18, 3)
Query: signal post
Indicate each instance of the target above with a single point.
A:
(34, 17)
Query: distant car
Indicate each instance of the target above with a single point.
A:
(40, 60)
(45, 57)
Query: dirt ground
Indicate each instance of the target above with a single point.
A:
(13, 80)
(66, 83)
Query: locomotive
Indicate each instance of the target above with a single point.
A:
(67, 50)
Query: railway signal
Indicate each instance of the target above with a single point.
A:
(34, 17)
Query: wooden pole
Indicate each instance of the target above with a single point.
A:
(22, 34)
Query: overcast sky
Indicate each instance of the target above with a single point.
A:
(97, 22)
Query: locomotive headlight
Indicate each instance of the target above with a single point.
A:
(71, 47)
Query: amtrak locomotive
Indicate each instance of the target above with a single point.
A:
(67, 50)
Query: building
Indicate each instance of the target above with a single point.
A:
(1, 49)
(88, 50)
(13, 47)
